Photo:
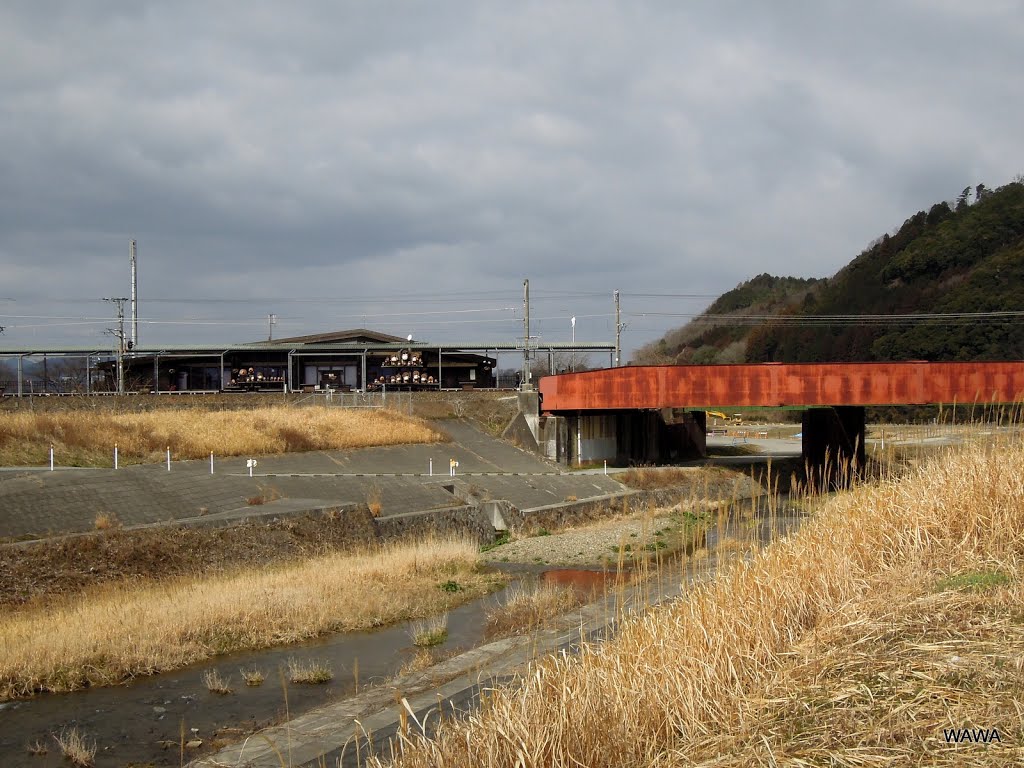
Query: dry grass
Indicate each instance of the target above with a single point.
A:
(650, 478)
(309, 672)
(373, 502)
(422, 659)
(265, 496)
(119, 631)
(252, 677)
(526, 608)
(430, 632)
(86, 438)
(215, 683)
(105, 521)
(75, 748)
(831, 647)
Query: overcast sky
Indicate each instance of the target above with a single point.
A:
(405, 165)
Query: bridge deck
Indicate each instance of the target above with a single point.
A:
(778, 384)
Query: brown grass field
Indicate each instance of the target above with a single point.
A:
(87, 438)
(896, 612)
(118, 631)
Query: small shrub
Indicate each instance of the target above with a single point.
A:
(76, 749)
(373, 501)
(265, 496)
(105, 521)
(504, 538)
(311, 672)
(252, 677)
(451, 586)
(571, 498)
(427, 634)
(215, 683)
(543, 532)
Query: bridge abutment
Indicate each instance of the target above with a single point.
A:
(833, 444)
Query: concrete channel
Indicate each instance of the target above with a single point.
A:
(346, 732)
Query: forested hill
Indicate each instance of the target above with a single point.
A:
(955, 259)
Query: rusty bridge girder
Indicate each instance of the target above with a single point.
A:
(834, 430)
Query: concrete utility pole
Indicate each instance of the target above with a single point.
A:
(618, 333)
(526, 333)
(272, 320)
(135, 291)
(119, 333)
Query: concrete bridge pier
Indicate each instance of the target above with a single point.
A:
(833, 445)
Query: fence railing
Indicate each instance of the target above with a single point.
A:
(395, 401)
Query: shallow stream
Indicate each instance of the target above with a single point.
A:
(143, 722)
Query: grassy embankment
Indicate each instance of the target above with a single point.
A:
(895, 613)
(87, 438)
(115, 632)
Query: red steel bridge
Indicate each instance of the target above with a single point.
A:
(657, 413)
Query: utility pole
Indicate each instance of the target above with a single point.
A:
(272, 320)
(119, 333)
(135, 307)
(526, 334)
(618, 332)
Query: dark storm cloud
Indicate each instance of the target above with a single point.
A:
(402, 149)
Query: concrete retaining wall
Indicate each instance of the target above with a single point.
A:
(454, 521)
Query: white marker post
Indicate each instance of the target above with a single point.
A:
(250, 464)
(168, 458)
(430, 467)
(211, 462)
(51, 457)
(606, 466)
(115, 455)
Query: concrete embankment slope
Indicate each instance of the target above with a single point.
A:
(39, 503)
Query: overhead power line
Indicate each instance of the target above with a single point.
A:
(959, 318)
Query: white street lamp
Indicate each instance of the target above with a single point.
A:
(572, 320)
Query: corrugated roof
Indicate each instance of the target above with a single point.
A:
(280, 346)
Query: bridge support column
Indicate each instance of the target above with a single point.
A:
(833, 445)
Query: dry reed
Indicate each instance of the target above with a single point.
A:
(120, 631)
(215, 683)
(309, 672)
(252, 677)
(75, 748)
(421, 659)
(526, 608)
(87, 438)
(709, 679)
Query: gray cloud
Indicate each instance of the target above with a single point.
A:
(417, 152)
